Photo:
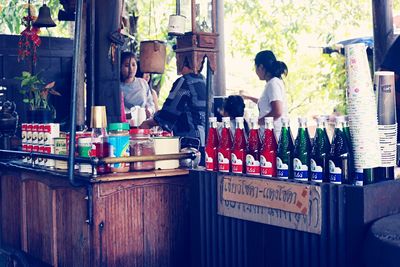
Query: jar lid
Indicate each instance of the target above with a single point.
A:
(139, 131)
(118, 126)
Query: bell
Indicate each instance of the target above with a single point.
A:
(44, 19)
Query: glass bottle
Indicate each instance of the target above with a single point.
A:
(319, 164)
(339, 155)
(225, 146)
(212, 146)
(268, 150)
(253, 149)
(238, 155)
(285, 150)
(100, 144)
(301, 152)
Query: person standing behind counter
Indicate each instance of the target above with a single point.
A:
(135, 91)
(184, 111)
(272, 102)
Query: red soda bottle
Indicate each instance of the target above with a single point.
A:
(268, 150)
(225, 146)
(238, 155)
(253, 149)
(212, 146)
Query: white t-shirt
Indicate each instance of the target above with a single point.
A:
(274, 91)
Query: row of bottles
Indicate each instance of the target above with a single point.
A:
(301, 160)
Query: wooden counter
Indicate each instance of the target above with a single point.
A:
(133, 219)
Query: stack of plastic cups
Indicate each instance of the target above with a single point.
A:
(385, 92)
(363, 120)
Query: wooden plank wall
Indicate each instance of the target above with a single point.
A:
(54, 62)
(347, 212)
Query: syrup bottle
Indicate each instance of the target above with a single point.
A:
(268, 150)
(212, 146)
(253, 149)
(238, 155)
(225, 146)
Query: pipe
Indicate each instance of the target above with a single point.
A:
(185, 155)
(90, 60)
(75, 74)
(178, 7)
(48, 156)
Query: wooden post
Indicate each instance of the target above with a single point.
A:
(80, 90)
(220, 84)
(106, 69)
(383, 29)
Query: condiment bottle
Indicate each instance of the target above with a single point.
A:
(301, 152)
(119, 145)
(100, 145)
(319, 153)
(225, 146)
(339, 155)
(285, 151)
(238, 155)
(253, 149)
(212, 146)
(268, 150)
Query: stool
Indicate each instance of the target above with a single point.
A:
(382, 244)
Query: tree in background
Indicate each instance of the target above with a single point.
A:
(12, 12)
(296, 31)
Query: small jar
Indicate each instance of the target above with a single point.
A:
(118, 139)
(141, 145)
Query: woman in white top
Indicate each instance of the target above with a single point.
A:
(135, 91)
(272, 102)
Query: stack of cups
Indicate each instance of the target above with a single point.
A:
(385, 92)
(361, 103)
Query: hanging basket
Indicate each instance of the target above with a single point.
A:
(152, 56)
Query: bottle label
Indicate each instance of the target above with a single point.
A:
(237, 161)
(316, 172)
(252, 165)
(209, 163)
(300, 170)
(335, 173)
(282, 169)
(266, 167)
(359, 177)
(223, 163)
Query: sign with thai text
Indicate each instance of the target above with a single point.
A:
(286, 204)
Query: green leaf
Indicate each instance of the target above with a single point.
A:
(25, 100)
(26, 74)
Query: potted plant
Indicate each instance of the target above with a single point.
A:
(35, 93)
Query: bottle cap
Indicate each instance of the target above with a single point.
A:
(253, 120)
(302, 120)
(212, 119)
(226, 119)
(119, 126)
(285, 120)
(340, 119)
(239, 119)
(269, 119)
(98, 117)
(321, 119)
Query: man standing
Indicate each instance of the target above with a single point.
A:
(184, 111)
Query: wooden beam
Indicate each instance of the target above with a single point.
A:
(382, 13)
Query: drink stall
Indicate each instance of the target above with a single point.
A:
(116, 196)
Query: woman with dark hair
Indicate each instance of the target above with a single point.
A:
(272, 102)
(234, 107)
(135, 91)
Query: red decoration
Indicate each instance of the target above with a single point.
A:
(29, 40)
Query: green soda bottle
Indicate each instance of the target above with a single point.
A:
(284, 152)
(319, 164)
(301, 152)
(339, 155)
